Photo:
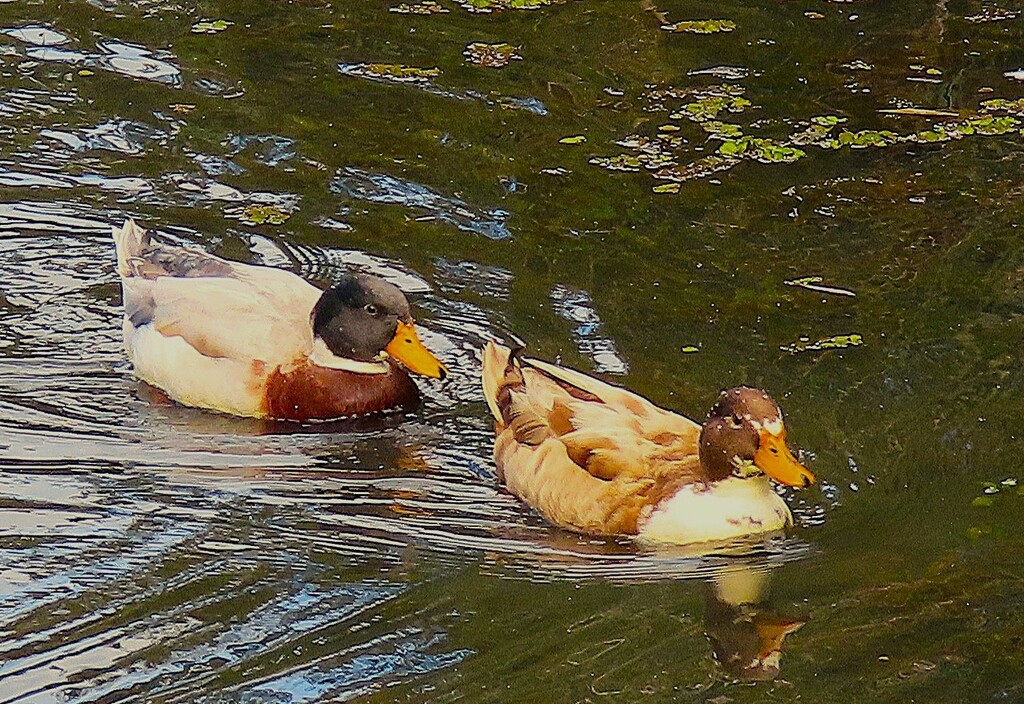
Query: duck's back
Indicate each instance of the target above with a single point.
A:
(588, 455)
(208, 331)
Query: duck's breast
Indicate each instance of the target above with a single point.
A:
(306, 391)
(726, 509)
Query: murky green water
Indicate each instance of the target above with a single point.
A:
(637, 201)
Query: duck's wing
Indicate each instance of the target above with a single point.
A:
(585, 453)
(222, 309)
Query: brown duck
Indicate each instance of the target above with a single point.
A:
(598, 459)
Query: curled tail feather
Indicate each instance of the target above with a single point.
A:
(505, 389)
(130, 240)
(495, 359)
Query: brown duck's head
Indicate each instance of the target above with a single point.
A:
(744, 434)
(362, 317)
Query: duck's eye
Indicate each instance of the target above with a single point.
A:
(370, 308)
(736, 420)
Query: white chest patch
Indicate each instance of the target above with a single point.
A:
(727, 509)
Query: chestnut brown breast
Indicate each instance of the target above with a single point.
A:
(309, 392)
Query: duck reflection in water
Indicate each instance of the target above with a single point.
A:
(745, 631)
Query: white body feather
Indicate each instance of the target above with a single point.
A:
(724, 510)
(210, 341)
(215, 383)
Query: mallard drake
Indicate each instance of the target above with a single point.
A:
(262, 342)
(595, 458)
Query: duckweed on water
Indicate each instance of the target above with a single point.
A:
(710, 107)
(264, 215)
(861, 140)
(488, 6)
(766, 151)
(491, 55)
(722, 129)
(701, 168)
(420, 8)
(1001, 105)
(992, 14)
(814, 283)
(633, 162)
(210, 26)
(573, 139)
(390, 73)
(660, 144)
(992, 489)
(704, 106)
(701, 26)
(858, 65)
(835, 342)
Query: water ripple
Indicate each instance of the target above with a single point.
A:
(376, 187)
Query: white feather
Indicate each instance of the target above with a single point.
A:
(726, 509)
(216, 383)
(322, 356)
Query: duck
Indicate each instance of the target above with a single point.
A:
(598, 459)
(262, 342)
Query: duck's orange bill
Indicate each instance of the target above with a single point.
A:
(774, 459)
(407, 349)
(771, 633)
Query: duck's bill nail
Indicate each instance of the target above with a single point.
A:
(407, 349)
(774, 459)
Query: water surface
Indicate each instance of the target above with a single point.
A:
(817, 198)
